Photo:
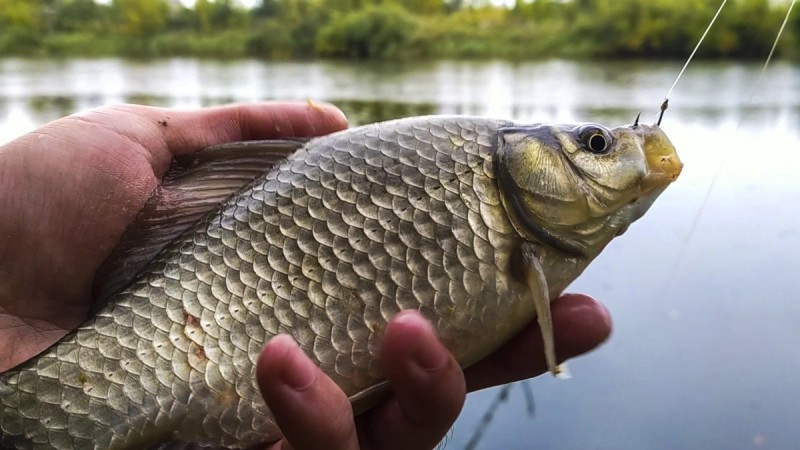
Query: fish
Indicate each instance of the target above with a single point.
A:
(477, 223)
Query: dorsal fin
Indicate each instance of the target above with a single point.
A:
(194, 185)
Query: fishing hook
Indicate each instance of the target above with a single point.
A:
(664, 107)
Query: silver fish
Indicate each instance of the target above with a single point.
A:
(476, 223)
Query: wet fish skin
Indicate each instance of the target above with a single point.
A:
(178, 348)
(326, 247)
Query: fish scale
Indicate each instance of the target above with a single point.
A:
(325, 247)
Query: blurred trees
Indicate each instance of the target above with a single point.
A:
(138, 18)
(21, 22)
(394, 28)
(77, 15)
(20, 14)
(374, 32)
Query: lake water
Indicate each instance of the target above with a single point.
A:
(703, 290)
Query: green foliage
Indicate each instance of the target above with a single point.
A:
(792, 41)
(78, 43)
(271, 40)
(223, 14)
(488, 32)
(140, 18)
(305, 32)
(184, 19)
(751, 26)
(625, 28)
(395, 29)
(666, 28)
(225, 44)
(423, 7)
(20, 14)
(375, 32)
(203, 15)
(19, 41)
(287, 28)
(71, 16)
(266, 9)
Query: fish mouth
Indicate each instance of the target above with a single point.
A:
(663, 164)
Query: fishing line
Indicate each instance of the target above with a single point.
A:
(488, 416)
(665, 104)
(774, 45)
(738, 125)
(702, 38)
(718, 171)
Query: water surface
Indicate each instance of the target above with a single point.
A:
(702, 290)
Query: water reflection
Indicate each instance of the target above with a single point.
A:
(148, 99)
(52, 106)
(544, 91)
(616, 116)
(360, 111)
(705, 307)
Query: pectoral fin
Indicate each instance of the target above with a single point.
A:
(364, 400)
(195, 185)
(536, 282)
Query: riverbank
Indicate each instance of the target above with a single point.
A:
(410, 29)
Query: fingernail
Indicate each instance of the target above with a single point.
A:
(298, 371)
(429, 357)
(338, 112)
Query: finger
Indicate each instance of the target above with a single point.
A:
(580, 323)
(428, 388)
(164, 132)
(310, 409)
(188, 130)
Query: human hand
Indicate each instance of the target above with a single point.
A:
(69, 189)
(427, 386)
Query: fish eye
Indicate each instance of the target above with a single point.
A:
(597, 143)
(596, 140)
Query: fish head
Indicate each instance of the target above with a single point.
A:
(576, 187)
